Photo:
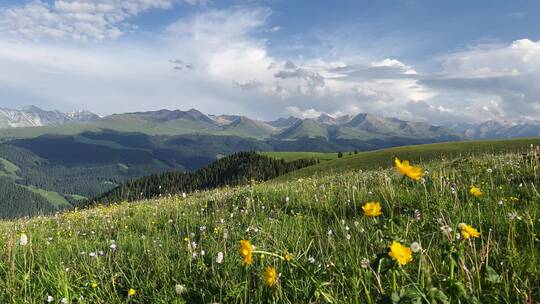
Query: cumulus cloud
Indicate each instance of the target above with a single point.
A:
(219, 62)
(290, 70)
(297, 112)
(248, 85)
(500, 78)
(81, 20)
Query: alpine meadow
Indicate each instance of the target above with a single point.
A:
(263, 151)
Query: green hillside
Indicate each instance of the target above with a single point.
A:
(237, 169)
(19, 195)
(384, 158)
(291, 156)
(316, 240)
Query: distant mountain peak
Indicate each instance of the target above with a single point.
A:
(33, 116)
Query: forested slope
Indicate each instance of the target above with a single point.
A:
(237, 169)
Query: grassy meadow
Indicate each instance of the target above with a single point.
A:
(292, 156)
(382, 159)
(310, 240)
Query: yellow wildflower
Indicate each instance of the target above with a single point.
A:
(468, 231)
(288, 257)
(246, 251)
(475, 191)
(131, 292)
(94, 285)
(403, 167)
(402, 254)
(270, 276)
(372, 209)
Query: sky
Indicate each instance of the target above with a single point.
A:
(433, 61)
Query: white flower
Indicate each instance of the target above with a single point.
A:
(180, 289)
(287, 199)
(113, 246)
(364, 263)
(193, 245)
(348, 237)
(92, 254)
(415, 247)
(446, 229)
(329, 232)
(184, 195)
(50, 299)
(417, 214)
(489, 170)
(311, 260)
(64, 301)
(23, 240)
(219, 258)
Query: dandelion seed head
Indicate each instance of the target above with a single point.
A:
(415, 247)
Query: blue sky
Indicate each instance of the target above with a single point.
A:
(435, 61)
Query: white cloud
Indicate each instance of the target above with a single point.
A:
(81, 20)
(308, 113)
(499, 81)
(216, 61)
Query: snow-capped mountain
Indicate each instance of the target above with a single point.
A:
(32, 116)
(494, 129)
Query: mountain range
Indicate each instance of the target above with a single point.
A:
(32, 116)
(363, 126)
(41, 150)
(498, 129)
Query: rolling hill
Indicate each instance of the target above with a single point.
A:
(316, 238)
(381, 159)
(234, 170)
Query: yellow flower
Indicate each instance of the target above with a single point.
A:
(131, 292)
(270, 276)
(246, 251)
(94, 285)
(475, 191)
(414, 173)
(372, 209)
(468, 231)
(402, 254)
(288, 257)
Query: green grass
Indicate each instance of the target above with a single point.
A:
(8, 169)
(55, 198)
(418, 153)
(339, 255)
(76, 197)
(292, 156)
